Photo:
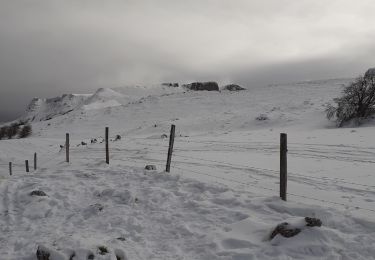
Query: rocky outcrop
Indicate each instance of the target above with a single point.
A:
(199, 86)
(41, 109)
(233, 87)
(174, 85)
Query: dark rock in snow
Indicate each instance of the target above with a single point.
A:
(38, 193)
(83, 143)
(97, 206)
(198, 86)
(285, 230)
(150, 167)
(42, 254)
(174, 85)
(102, 250)
(313, 222)
(262, 117)
(118, 137)
(233, 87)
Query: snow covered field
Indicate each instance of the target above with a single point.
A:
(220, 200)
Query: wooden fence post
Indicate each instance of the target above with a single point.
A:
(27, 165)
(170, 149)
(35, 161)
(283, 166)
(10, 168)
(67, 146)
(106, 145)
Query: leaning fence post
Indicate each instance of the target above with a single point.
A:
(170, 149)
(27, 165)
(35, 161)
(283, 166)
(67, 146)
(106, 145)
(10, 168)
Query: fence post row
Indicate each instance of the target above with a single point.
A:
(283, 166)
(283, 157)
(10, 168)
(106, 145)
(170, 149)
(27, 165)
(67, 147)
(35, 161)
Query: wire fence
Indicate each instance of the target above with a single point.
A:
(154, 150)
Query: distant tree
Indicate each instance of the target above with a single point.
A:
(26, 131)
(13, 130)
(357, 101)
(3, 132)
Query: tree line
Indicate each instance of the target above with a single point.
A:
(17, 129)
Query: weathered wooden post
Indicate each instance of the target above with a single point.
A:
(35, 161)
(67, 146)
(27, 165)
(106, 145)
(170, 149)
(10, 168)
(283, 166)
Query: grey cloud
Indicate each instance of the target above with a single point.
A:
(52, 47)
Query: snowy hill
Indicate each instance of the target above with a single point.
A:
(298, 104)
(46, 109)
(220, 200)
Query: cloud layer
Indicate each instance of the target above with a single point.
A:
(52, 47)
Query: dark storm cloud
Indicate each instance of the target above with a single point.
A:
(51, 47)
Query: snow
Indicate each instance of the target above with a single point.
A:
(99, 105)
(220, 200)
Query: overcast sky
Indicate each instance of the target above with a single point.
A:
(51, 47)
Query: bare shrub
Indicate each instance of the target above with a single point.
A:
(26, 131)
(356, 103)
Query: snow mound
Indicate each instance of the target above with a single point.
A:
(103, 98)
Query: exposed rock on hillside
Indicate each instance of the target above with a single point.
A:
(41, 109)
(175, 85)
(233, 87)
(198, 86)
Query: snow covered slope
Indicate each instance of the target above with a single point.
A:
(220, 200)
(45, 109)
(138, 109)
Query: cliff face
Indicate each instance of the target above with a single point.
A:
(41, 109)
